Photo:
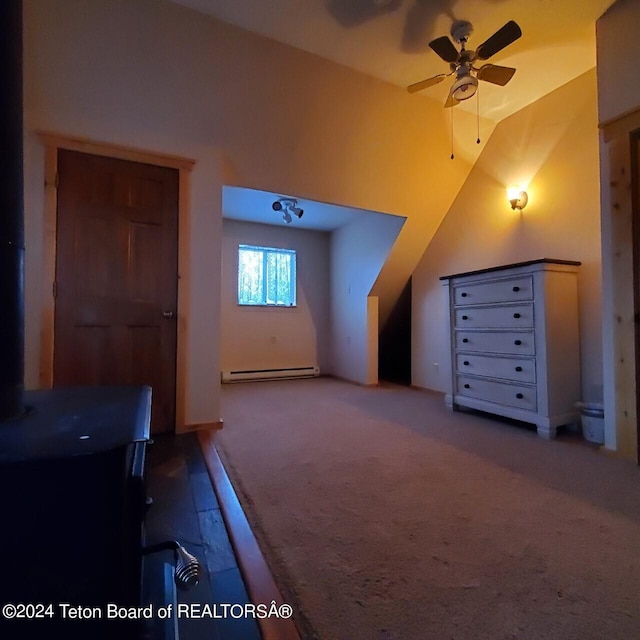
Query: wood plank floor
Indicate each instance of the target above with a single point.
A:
(185, 509)
(259, 580)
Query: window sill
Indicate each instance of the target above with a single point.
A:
(267, 306)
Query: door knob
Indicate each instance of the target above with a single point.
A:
(168, 315)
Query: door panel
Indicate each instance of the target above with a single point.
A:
(635, 224)
(116, 273)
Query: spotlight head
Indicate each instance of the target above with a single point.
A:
(297, 211)
(286, 216)
(277, 205)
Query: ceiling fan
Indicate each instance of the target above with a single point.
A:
(462, 62)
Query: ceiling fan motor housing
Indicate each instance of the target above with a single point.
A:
(461, 31)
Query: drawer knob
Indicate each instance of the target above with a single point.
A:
(519, 396)
(466, 363)
(518, 369)
(467, 386)
(516, 315)
(517, 342)
(516, 289)
(465, 317)
(465, 340)
(463, 294)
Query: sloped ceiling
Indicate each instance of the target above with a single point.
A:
(253, 205)
(388, 39)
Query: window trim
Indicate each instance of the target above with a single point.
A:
(266, 251)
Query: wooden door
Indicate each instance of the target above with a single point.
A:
(635, 218)
(116, 277)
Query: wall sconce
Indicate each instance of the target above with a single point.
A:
(288, 206)
(518, 198)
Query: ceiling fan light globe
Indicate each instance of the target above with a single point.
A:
(464, 88)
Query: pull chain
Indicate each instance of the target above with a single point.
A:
(452, 156)
(478, 113)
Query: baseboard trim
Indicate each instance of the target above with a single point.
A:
(257, 576)
(202, 426)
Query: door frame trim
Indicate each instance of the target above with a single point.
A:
(54, 141)
(634, 142)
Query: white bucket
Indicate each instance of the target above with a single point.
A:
(592, 421)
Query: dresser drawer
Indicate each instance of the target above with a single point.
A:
(506, 290)
(508, 316)
(512, 342)
(516, 369)
(513, 395)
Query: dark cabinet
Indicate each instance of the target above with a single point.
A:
(73, 504)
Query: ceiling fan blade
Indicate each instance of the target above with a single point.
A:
(499, 40)
(445, 49)
(495, 74)
(429, 82)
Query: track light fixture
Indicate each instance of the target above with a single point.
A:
(289, 207)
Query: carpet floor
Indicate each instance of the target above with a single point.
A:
(385, 516)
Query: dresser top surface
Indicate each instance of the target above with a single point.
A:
(513, 266)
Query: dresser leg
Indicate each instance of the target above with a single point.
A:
(448, 401)
(548, 433)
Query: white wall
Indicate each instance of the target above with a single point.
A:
(159, 77)
(552, 148)
(358, 252)
(617, 54)
(268, 337)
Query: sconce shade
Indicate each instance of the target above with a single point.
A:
(518, 198)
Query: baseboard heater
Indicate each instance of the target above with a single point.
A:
(270, 374)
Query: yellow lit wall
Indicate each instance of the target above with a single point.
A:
(551, 148)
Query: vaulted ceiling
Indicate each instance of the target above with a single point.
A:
(389, 39)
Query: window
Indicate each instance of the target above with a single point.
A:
(266, 276)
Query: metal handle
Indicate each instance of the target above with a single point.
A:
(168, 315)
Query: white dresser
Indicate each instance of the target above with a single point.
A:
(515, 347)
